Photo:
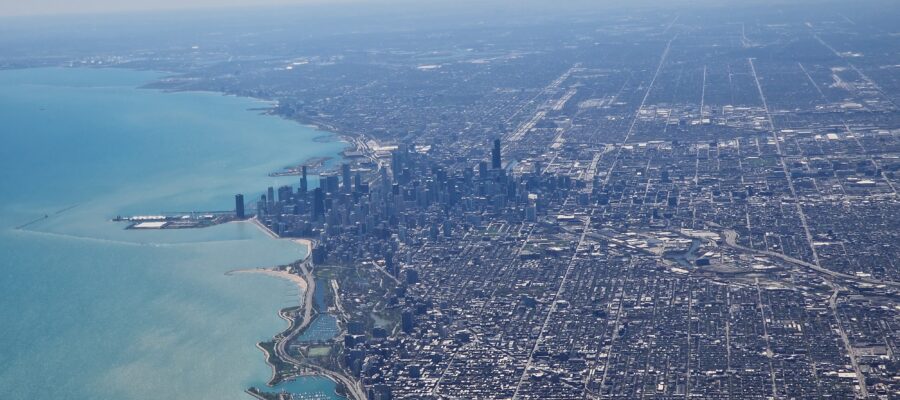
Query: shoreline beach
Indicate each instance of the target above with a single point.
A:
(296, 279)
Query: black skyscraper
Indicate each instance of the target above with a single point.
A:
(408, 322)
(482, 169)
(332, 184)
(239, 206)
(345, 177)
(318, 202)
(304, 184)
(495, 155)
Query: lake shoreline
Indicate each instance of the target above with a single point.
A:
(166, 273)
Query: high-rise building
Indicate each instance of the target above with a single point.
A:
(304, 183)
(239, 206)
(318, 203)
(284, 193)
(482, 170)
(345, 177)
(261, 206)
(332, 184)
(407, 321)
(396, 163)
(495, 155)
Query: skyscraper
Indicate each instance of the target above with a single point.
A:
(304, 184)
(332, 184)
(495, 155)
(408, 323)
(239, 206)
(318, 203)
(345, 177)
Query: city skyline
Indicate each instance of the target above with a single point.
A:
(501, 201)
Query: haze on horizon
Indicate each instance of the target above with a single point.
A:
(57, 7)
(66, 7)
(16, 8)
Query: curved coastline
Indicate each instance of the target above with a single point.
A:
(298, 322)
(81, 234)
(166, 83)
(350, 389)
(306, 282)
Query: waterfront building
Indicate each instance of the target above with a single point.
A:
(239, 206)
(304, 183)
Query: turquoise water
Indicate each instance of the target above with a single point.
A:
(92, 311)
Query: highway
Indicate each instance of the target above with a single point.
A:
(731, 241)
(354, 389)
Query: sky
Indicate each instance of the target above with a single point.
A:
(50, 7)
(66, 7)
(12, 8)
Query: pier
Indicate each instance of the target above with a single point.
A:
(177, 220)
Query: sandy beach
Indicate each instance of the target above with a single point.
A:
(296, 279)
(305, 242)
(308, 244)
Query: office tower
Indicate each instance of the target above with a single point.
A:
(495, 155)
(385, 180)
(239, 206)
(345, 177)
(270, 197)
(304, 184)
(482, 170)
(285, 193)
(318, 203)
(396, 163)
(407, 321)
(531, 213)
(332, 184)
(389, 265)
(261, 206)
